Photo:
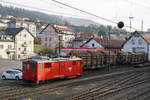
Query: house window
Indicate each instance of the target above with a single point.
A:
(49, 38)
(133, 42)
(25, 49)
(19, 49)
(93, 45)
(140, 42)
(30, 42)
(1, 46)
(25, 35)
(46, 39)
(9, 46)
(18, 56)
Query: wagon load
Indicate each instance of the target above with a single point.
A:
(124, 57)
(139, 57)
(109, 57)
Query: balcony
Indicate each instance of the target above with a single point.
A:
(24, 45)
(11, 50)
(24, 52)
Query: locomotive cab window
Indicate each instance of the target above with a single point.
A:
(79, 63)
(62, 65)
(24, 66)
(41, 66)
(28, 66)
(33, 67)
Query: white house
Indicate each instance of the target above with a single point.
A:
(138, 42)
(16, 43)
(17, 23)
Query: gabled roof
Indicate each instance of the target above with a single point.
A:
(11, 31)
(107, 43)
(59, 28)
(144, 35)
(44, 28)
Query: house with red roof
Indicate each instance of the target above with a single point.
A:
(52, 34)
(112, 45)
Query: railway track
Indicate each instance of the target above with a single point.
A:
(98, 92)
(15, 93)
(21, 92)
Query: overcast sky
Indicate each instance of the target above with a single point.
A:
(115, 10)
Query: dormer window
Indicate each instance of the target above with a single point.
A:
(93, 45)
(140, 42)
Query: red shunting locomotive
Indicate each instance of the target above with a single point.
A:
(37, 70)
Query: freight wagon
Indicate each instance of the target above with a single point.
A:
(40, 69)
(101, 58)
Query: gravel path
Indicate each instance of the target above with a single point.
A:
(8, 64)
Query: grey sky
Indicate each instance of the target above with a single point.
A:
(116, 10)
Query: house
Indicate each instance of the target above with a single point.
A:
(52, 34)
(80, 38)
(19, 22)
(138, 42)
(16, 43)
(2, 24)
(113, 45)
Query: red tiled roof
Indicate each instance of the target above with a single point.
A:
(146, 36)
(61, 28)
(110, 43)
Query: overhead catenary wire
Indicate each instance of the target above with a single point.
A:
(22, 5)
(35, 8)
(108, 20)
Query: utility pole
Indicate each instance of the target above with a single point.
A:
(130, 18)
(108, 43)
(142, 25)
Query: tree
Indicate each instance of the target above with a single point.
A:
(47, 50)
(37, 40)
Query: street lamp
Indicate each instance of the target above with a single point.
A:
(130, 18)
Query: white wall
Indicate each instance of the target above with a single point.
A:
(128, 46)
(4, 49)
(96, 45)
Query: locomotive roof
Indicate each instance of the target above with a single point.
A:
(51, 59)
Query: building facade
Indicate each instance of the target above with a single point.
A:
(52, 35)
(112, 45)
(138, 42)
(16, 43)
(17, 23)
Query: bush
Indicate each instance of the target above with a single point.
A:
(47, 50)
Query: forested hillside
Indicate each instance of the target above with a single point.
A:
(78, 25)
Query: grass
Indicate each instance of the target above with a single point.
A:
(37, 48)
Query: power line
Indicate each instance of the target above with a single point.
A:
(108, 20)
(35, 8)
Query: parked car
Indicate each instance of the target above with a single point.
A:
(12, 74)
